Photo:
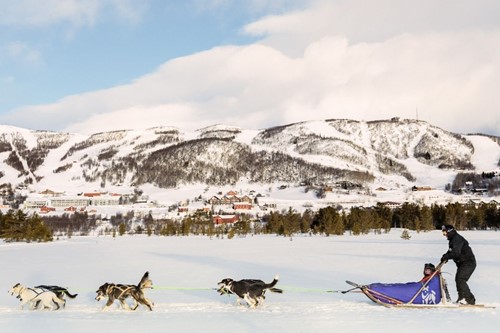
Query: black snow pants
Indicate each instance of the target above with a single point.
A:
(464, 272)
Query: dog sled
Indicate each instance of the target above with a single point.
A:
(430, 292)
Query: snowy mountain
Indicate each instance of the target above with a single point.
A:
(348, 153)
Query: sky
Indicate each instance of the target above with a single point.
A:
(87, 66)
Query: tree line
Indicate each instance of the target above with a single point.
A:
(17, 226)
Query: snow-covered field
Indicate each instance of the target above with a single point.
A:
(186, 269)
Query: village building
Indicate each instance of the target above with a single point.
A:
(50, 193)
(69, 201)
(58, 200)
(106, 200)
(246, 198)
(92, 194)
(215, 200)
(35, 203)
(421, 188)
(46, 209)
(242, 206)
(225, 219)
(183, 209)
(391, 204)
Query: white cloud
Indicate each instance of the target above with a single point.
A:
(75, 12)
(253, 6)
(136, 118)
(449, 75)
(372, 21)
(42, 13)
(129, 10)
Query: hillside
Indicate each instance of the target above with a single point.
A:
(348, 154)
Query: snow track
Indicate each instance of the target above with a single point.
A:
(185, 269)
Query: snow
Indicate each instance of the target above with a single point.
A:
(246, 136)
(426, 174)
(220, 127)
(486, 153)
(394, 139)
(186, 269)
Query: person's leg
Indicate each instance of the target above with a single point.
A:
(464, 272)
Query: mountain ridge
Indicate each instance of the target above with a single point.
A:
(395, 152)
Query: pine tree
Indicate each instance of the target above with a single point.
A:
(405, 234)
(41, 233)
(121, 229)
(18, 227)
(325, 220)
(186, 226)
(231, 233)
(338, 225)
(12, 230)
(356, 228)
(426, 218)
(417, 224)
(386, 215)
(306, 221)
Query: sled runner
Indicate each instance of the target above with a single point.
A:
(428, 293)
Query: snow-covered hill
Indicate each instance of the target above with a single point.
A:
(389, 153)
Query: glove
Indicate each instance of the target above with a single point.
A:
(444, 259)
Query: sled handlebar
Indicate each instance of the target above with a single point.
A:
(438, 267)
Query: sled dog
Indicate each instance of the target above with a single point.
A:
(251, 290)
(59, 291)
(36, 297)
(121, 292)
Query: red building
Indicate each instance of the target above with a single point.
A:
(46, 209)
(224, 219)
(242, 205)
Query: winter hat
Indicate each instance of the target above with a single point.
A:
(429, 269)
(447, 227)
(430, 266)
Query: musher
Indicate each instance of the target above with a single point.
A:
(461, 253)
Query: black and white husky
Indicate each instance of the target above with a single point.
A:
(36, 297)
(59, 291)
(121, 292)
(251, 290)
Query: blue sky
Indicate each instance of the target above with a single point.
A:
(70, 54)
(79, 65)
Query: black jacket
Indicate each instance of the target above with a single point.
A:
(459, 249)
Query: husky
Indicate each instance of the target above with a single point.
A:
(36, 297)
(121, 292)
(59, 291)
(251, 290)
